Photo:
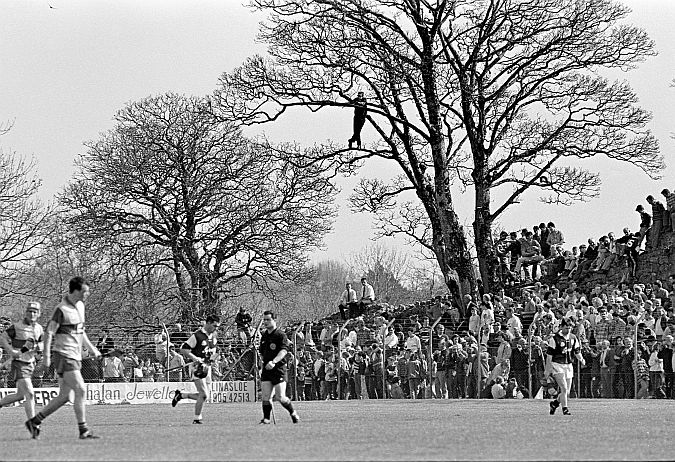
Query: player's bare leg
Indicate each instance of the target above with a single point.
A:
(24, 390)
(200, 398)
(72, 382)
(565, 385)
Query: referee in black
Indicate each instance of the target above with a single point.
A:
(273, 348)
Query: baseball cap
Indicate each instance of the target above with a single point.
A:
(33, 306)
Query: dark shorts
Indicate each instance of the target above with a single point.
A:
(274, 376)
(63, 364)
(21, 370)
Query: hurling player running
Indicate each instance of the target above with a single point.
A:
(273, 348)
(199, 348)
(563, 347)
(23, 341)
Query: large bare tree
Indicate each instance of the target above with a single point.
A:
(24, 219)
(497, 96)
(223, 207)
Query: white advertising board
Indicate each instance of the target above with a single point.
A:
(150, 392)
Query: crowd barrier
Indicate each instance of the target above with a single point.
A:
(149, 392)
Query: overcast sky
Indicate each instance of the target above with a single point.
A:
(66, 70)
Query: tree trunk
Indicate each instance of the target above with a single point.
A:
(453, 256)
(482, 228)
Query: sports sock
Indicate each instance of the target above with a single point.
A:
(288, 405)
(39, 417)
(556, 403)
(267, 409)
(198, 417)
(82, 426)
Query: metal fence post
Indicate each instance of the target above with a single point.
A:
(339, 384)
(295, 358)
(430, 358)
(384, 362)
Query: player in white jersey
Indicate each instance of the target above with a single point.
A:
(23, 341)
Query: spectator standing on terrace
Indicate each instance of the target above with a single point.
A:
(513, 324)
(243, 321)
(514, 250)
(519, 359)
(131, 364)
(562, 348)
(501, 248)
(642, 371)
(160, 346)
(415, 375)
(367, 295)
(474, 321)
(178, 337)
(543, 240)
(645, 225)
(348, 303)
(670, 215)
(393, 381)
(479, 363)
(413, 342)
(504, 349)
(359, 374)
(364, 336)
(626, 368)
(327, 334)
(66, 328)
(113, 368)
(441, 382)
(537, 362)
(106, 344)
(630, 243)
(660, 292)
(655, 370)
(555, 236)
(402, 370)
(177, 363)
(658, 218)
(666, 355)
(199, 349)
(23, 342)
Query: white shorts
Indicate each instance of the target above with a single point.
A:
(566, 370)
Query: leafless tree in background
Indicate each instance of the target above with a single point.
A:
(220, 207)
(494, 96)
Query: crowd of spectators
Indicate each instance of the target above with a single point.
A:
(493, 353)
(492, 345)
(542, 252)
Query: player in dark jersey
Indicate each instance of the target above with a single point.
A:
(23, 341)
(273, 349)
(563, 347)
(199, 348)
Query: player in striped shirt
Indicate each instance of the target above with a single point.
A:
(66, 331)
(23, 341)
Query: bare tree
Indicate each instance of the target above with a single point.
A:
(222, 207)
(484, 94)
(24, 219)
(386, 268)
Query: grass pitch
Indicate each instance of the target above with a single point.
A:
(355, 430)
